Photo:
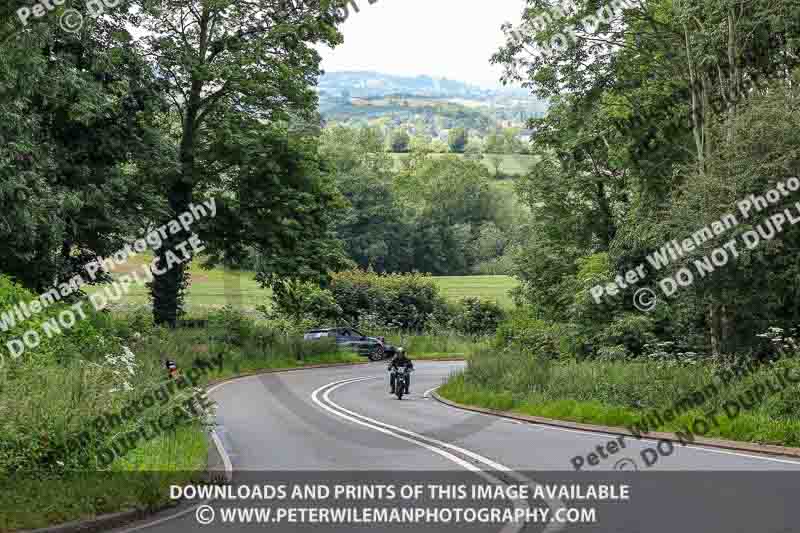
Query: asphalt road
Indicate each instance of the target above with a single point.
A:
(341, 423)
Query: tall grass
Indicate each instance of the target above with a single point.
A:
(45, 406)
(621, 393)
(442, 344)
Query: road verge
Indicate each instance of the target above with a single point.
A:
(219, 465)
(748, 447)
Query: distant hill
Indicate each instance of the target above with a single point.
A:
(368, 84)
(422, 104)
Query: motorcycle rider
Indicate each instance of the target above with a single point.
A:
(399, 361)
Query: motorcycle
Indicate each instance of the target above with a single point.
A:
(401, 381)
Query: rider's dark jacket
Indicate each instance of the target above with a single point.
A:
(401, 360)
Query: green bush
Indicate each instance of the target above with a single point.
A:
(632, 331)
(496, 266)
(477, 317)
(231, 326)
(303, 300)
(51, 393)
(83, 340)
(398, 301)
(535, 336)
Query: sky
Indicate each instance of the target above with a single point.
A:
(451, 39)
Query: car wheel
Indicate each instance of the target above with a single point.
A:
(378, 354)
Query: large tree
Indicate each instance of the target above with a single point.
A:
(223, 62)
(646, 134)
(78, 119)
(372, 226)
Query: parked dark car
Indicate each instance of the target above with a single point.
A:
(373, 347)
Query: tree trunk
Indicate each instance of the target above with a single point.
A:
(726, 329)
(719, 319)
(168, 289)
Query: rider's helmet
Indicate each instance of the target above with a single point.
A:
(401, 351)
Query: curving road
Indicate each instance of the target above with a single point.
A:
(343, 422)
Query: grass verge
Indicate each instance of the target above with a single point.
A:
(140, 479)
(621, 394)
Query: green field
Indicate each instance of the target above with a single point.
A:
(494, 288)
(512, 164)
(217, 288)
(208, 288)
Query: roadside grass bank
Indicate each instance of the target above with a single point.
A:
(140, 480)
(437, 356)
(622, 393)
(50, 449)
(434, 345)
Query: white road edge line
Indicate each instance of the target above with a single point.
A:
(419, 440)
(427, 393)
(226, 459)
(631, 438)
